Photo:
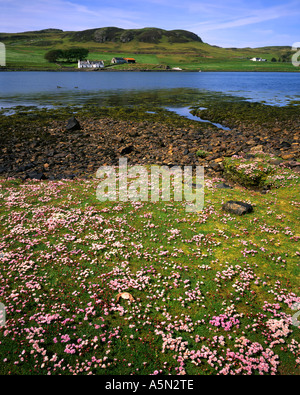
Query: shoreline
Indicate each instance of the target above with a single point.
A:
(147, 70)
(49, 150)
(156, 71)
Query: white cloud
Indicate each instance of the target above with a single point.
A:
(217, 22)
(33, 15)
(251, 16)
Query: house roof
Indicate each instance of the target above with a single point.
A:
(91, 61)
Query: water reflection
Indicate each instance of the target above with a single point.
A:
(185, 112)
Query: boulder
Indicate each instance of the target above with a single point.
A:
(257, 148)
(287, 156)
(73, 125)
(223, 186)
(25, 167)
(127, 150)
(237, 207)
(36, 176)
(284, 144)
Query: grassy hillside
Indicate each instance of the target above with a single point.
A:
(150, 47)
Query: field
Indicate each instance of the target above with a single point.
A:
(25, 51)
(213, 292)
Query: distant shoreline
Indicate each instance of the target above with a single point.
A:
(150, 71)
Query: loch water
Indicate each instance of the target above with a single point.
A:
(170, 89)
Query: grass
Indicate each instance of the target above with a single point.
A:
(213, 292)
(26, 52)
(202, 154)
(32, 58)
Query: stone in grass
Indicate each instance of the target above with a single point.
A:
(36, 176)
(72, 125)
(223, 186)
(236, 207)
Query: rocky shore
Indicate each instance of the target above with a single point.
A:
(68, 150)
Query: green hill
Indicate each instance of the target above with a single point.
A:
(152, 48)
(146, 35)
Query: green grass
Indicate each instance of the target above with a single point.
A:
(26, 51)
(65, 255)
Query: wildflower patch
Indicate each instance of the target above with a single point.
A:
(250, 172)
(145, 287)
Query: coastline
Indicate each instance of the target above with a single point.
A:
(65, 241)
(39, 143)
(148, 70)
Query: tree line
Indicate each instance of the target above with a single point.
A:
(286, 57)
(68, 55)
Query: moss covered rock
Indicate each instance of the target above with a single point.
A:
(250, 172)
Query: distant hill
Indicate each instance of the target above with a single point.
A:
(145, 35)
(150, 46)
(110, 34)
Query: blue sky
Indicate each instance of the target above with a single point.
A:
(231, 23)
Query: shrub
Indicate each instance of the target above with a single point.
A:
(54, 55)
(201, 153)
(69, 55)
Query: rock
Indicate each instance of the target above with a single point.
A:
(127, 150)
(67, 176)
(211, 157)
(215, 166)
(100, 141)
(223, 186)
(124, 295)
(284, 144)
(72, 125)
(196, 186)
(36, 176)
(25, 167)
(236, 207)
(293, 163)
(287, 156)
(249, 156)
(276, 162)
(257, 148)
(276, 130)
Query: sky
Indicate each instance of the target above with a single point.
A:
(226, 23)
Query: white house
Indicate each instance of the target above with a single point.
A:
(258, 60)
(88, 64)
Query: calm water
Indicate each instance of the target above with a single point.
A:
(166, 88)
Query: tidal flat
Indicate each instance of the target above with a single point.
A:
(36, 140)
